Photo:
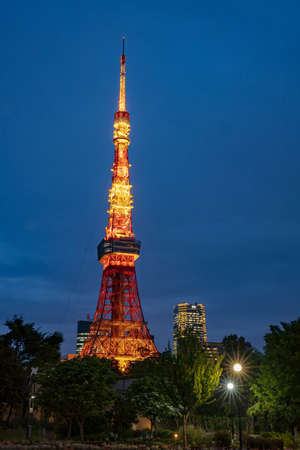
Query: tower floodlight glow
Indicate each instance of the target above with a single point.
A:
(119, 330)
(230, 386)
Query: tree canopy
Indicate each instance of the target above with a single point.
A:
(150, 400)
(73, 389)
(277, 387)
(237, 349)
(12, 379)
(22, 348)
(192, 374)
(32, 347)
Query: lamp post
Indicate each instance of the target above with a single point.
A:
(230, 388)
(238, 368)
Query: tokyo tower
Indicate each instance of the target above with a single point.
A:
(119, 330)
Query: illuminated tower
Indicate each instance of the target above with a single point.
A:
(119, 330)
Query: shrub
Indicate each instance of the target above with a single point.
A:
(222, 438)
(94, 424)
(164, 434)
(288, 440)
(195, 435)
(264, 442)
(207, 441)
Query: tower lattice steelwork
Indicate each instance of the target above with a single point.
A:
(119, 330)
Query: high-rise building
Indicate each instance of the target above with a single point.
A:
(119, 330)
(189, 316)
(214, 349)
(83, 329)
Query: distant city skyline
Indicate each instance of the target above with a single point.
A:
(214, 98)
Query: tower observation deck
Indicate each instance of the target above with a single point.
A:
(119, 330)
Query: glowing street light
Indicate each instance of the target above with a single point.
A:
(230, 388)
(237, 367)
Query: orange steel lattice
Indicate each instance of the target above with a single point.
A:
(119, 330)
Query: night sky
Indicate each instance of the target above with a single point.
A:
(213, 93)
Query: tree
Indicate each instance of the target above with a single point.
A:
(12, 380)
(277, 387)
(150, 400)
(192, 372)
(73, 389)
(22, 348)
(122, 415)
(236, 348)
(32, 347)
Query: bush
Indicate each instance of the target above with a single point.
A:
(164, 434)
(288, 440)
(94, 424)
(264, 442)
(222, 438)
(195, 435)
(254, 442)
(207, 442)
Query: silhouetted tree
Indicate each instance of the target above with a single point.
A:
(12, 380)
(277, 387)
(73, 389)
(22, 348)
(32, 347)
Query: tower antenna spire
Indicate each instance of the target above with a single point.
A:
(122, 98)
(123, 45)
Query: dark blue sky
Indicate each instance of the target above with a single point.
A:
(213, 92)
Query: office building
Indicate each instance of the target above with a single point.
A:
(189, 316)
(215, 349)
(83, 329)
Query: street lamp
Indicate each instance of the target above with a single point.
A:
(238, 368)
(230, 388)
